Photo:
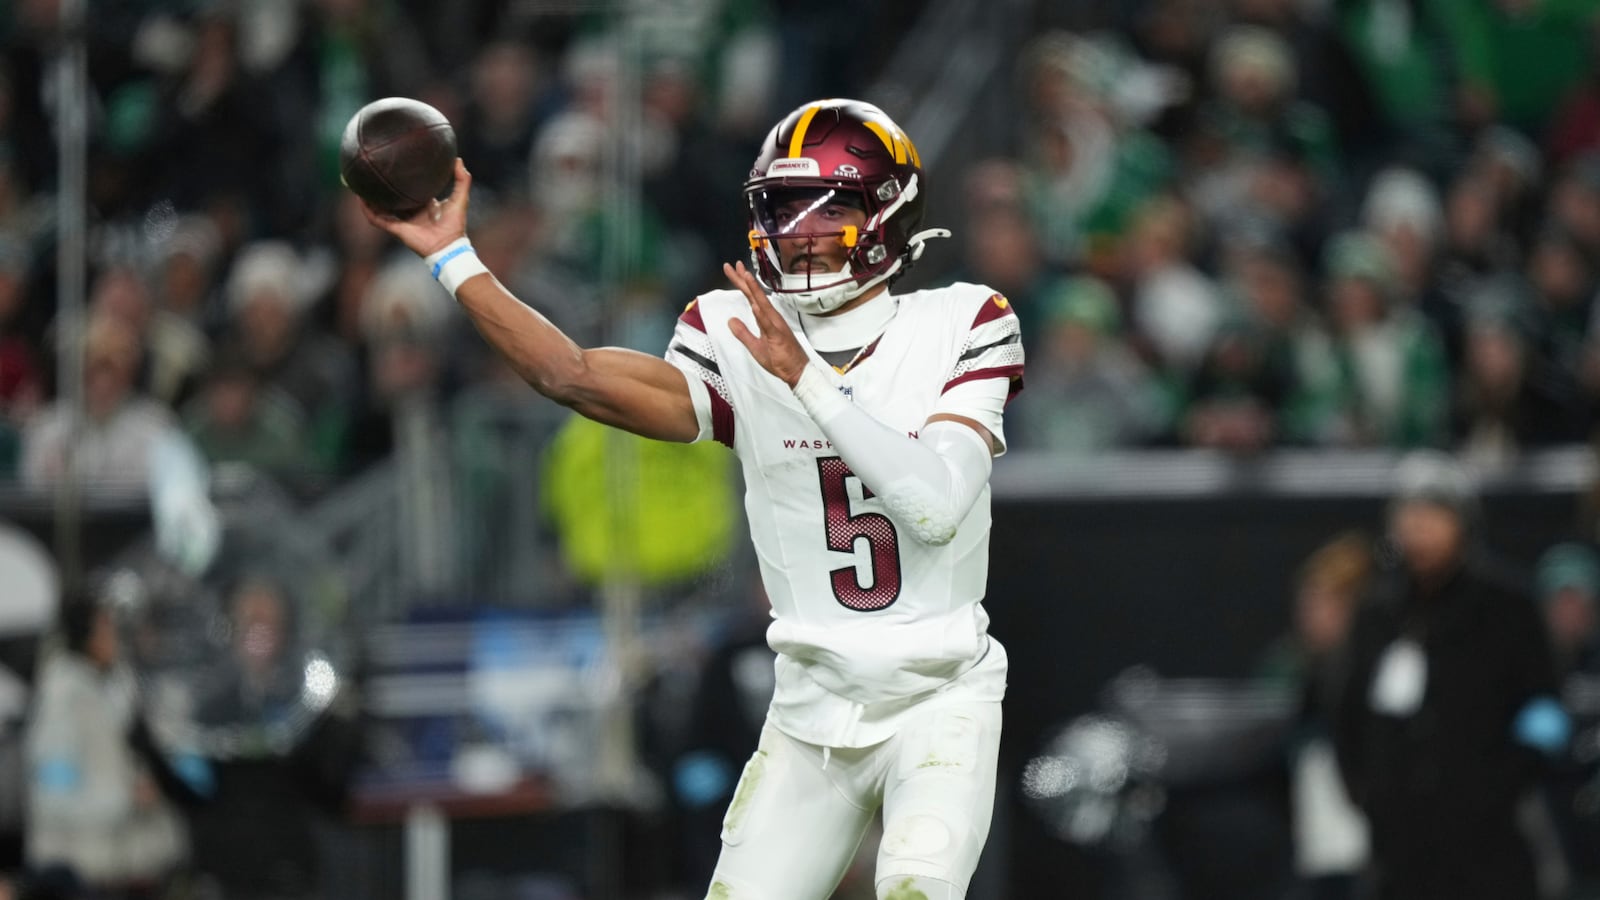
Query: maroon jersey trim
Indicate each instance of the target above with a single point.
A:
(1013, 373)
(721, 418)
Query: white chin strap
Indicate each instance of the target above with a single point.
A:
(818, 301)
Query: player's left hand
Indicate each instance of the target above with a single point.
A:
(775, 348)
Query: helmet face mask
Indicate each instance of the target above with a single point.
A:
(805, 226)
(824, 158)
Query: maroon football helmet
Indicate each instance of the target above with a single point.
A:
(831, 154)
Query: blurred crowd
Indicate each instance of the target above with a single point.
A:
(1269, 222)
(236, 294)
(1236, 225)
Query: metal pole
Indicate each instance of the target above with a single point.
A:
(71, 200)
(621, 594)
(620, 589)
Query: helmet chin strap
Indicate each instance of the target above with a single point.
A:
(824, 299)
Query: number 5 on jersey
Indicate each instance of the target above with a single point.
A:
(843, 529)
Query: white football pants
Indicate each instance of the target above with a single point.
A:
(800, 810)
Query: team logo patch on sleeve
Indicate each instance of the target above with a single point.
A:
(995, 307)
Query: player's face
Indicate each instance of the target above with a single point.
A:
(817, 222)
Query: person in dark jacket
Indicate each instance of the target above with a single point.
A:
(1449, 706)
(255, 835)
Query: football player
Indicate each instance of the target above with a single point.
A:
(866, 423)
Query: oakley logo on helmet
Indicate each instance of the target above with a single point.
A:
(792, 167)
(848, 171)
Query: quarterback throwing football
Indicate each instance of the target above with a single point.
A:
(866, 423)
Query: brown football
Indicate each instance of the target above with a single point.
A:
(398, 154)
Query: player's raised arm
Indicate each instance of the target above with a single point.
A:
(624, 388)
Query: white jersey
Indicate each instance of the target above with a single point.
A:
(867, 620)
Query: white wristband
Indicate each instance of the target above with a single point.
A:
(455, 263)
(820, 398)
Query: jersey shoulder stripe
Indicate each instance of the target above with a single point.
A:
(693, 351)
(992, 347)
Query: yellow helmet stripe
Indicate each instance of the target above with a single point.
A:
(798, 139)
(889, 143)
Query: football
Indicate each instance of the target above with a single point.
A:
(398, 154)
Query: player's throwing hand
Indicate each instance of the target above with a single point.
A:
(435, 225)
(775, 348)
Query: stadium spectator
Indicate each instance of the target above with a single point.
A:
(1512, 166)
(95, 809)
(499, 119)
(360, 254)
(235, 418)
(1394, 377)
(682, 184)
(116, 441)
(1506, 399)
(268, 290)
(122, 293)
(1087, 393)
(1255, 112)
(567, 184)
(1573, 204)
(279, 766)
(1477, 243)
(1402, 209)
(1264, 275)
(1233, 398)
(1557, 307)
(1567, 579)
(125, 448)
(1568, 582)
(1330, 834)
(213, 120)
(185, 293)
(1086, 170)
(1447, 709)
(405, 340)
(1176, 308)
